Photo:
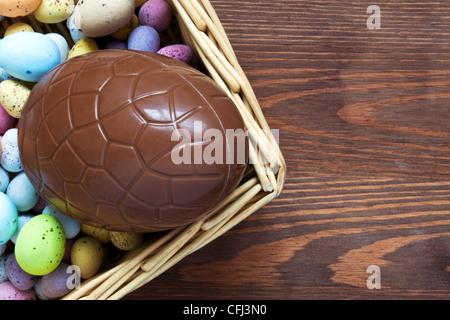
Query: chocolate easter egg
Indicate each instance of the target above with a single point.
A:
(131, 141)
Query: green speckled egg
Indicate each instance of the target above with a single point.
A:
(40, 245)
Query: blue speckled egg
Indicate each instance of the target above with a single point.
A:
(28, 55)
(22, 192)
(8, 218)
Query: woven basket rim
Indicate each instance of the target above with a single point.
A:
(200, 27)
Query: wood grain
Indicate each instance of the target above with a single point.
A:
(364, 128)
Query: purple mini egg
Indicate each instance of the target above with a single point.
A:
(155, 13)
(144, 38)
(180, 52)
(9, 292)
(56, 283)
(116, 45)
(19, 278)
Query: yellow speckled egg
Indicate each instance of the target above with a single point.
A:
(54, 11)
(13, 96)
(14, 8)
(98, 18)
(87, 254)
(82, 47)
(18, 27)
(125, 32)
(126, 240)
(100, 234)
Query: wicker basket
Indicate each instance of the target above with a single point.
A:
(198, 25)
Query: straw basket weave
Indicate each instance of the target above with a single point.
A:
(198, 25)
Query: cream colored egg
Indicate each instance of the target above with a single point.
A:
(54, 11)
(13, 96)
(87, 254)
(98, 18)
(18, 27)
(82, 47)
(125, 32)
(100, 234)
(126, 240)
(14, 8)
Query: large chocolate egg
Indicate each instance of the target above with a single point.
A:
(131, 141)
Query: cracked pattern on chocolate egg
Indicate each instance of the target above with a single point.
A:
(95, 140)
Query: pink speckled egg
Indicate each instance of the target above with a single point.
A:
(9, 292)
(156, 14)
(180, 52)
(6, 120)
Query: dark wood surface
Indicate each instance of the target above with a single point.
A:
(364, 120)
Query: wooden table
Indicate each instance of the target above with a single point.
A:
(363, 108)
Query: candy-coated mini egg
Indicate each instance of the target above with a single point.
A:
(71, 226)
(155, 13)
(13, 96)
(10, 157)
(55, 284)
(87, 254)
(98, 18)
(8, 218)
(23, 218)
(5, 75)
(28, 55)
(144, 38)
(22, 192)
(4, 179)
(37, 289)
(18, 27)
(126, 240)
(40, 245)
(75, 34)
(69, 244)
(83, 46)
(54, 11)
(180, 52)
(3, 274)
(6, 120)
(14, 8)
(125, 32)
(100, 234)
(116, 45)
(62, 44)
(18, 277)
(9, 292)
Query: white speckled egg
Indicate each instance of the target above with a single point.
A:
(98, 18)
(54, 11)
(10, 157)
(13, 96)
(22, 192)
